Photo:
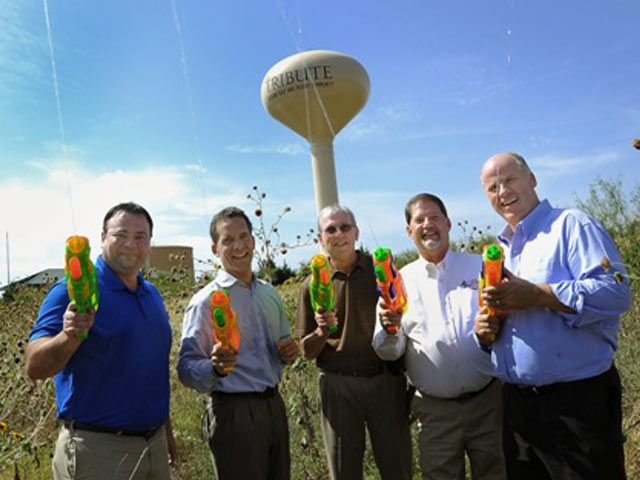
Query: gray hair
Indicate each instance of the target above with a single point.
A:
(519, 159)
(332, 210)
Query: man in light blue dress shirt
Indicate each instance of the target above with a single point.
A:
(246, 421)
(555, 349)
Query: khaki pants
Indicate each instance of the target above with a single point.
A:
(352, 405)
(81, 454)
(449, 428)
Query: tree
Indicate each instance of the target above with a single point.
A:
(608, 204)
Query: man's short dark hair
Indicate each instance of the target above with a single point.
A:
(128, 207)
(423, 197)
(227, 213)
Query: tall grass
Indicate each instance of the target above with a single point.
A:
(26, 407)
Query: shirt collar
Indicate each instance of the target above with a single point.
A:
(111, 278)
(529, 224)
(225, 280)
(363, 262)
(435, 270)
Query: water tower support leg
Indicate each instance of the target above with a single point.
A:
(324, 174)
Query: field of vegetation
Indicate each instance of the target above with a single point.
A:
(28, 426)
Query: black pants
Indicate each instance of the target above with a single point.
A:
(565, 431)
(248, 436)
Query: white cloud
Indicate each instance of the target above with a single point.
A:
(40, 214)
(560, 164)
(381, 121)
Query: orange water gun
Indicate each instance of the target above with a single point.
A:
(224, 322)
(390, 284)
(491, 275)
(82, 285)
(321, 287)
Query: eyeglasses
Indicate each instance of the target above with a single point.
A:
(344, 228)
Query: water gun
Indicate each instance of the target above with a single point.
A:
(491, 275)
(82, 285)
(390, 284)
(321, 287)
(224, 322)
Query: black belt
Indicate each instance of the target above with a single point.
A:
(356, 373)
(468, 395)
(268, 393)
(533, 391)
(73, 425)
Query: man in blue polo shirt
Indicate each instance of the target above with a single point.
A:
(112, 388)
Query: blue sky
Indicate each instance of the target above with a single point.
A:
(167, 112)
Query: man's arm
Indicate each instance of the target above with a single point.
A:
(519, 294)
(313, 334)
(388, 346)
(586, 292)
(199, 358)
(313, 343)
(172, 446)
(46, 356)
(287, 349)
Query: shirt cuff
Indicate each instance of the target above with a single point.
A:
(483, 347)
(216, 374)
(567, 294)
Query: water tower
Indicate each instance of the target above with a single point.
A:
(316, 93)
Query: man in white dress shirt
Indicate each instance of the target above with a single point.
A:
(458, 401)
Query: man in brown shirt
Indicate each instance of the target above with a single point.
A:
(357, 388)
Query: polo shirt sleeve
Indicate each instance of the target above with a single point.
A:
(49, 321)
(593, 292)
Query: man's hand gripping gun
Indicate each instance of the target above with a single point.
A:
(224, 322)
(491, 275)
(82, 285)
(321, 287)
(390, 284)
